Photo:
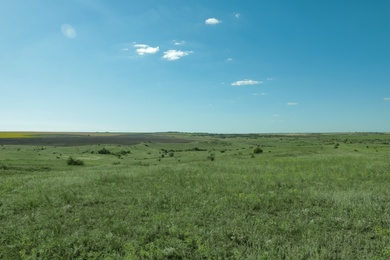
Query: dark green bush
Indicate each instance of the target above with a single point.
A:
(257, 150)
(72, 161)
(104, 151)
(211, 157)
(123, 152)
(196, 149)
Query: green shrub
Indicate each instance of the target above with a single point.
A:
(72, 161)
(196, 149)
(123, 152)
(257, 150)
(211, 157)
(104, 151)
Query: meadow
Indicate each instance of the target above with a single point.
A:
(195, 196)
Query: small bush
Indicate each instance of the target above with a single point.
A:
(72, 161)
(196, 149)
(211, 157)
(104, 151)
(123, 152)
(257, 150)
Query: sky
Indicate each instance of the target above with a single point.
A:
(222, 66)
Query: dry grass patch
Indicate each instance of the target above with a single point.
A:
(16, 135)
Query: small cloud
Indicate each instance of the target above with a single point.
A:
(237, 15)
(270, 78)
(229, 59)
(175, 54)
(387, 99)
(125, 49)
(145, 49)
(179, 43)
(246, 82)
(292, 104)
(68, 31)
(276, 115)
(259, 94)
(212, 21)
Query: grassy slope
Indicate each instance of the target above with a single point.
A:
(301, 198)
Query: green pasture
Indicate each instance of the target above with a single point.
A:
(314, 196)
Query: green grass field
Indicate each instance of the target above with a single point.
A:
(315, 196)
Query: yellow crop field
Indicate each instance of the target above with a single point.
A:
(16, 135)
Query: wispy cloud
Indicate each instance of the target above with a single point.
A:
(387, 98)
(259, 94)
(68, 31)
(175, 54)
(212, 21)
(246, 82)
(229, 59)
(237, 15)
(142, 49)
(179, 43)
(292, 104)
(270, 78)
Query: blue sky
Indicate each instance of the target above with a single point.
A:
(195, 66)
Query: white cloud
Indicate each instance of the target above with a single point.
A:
(246, 82)
(213, 21)
(179, 43)
(68, 31)
(259, 94)
(292, 104)
(237, 15)
(175, 54)
(387, 98)
(142, 49)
